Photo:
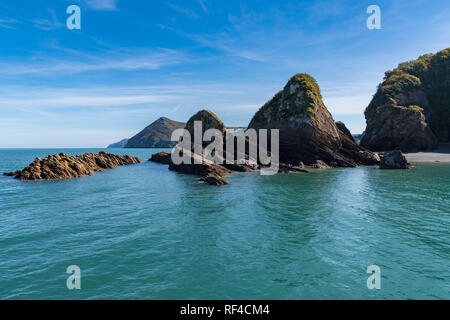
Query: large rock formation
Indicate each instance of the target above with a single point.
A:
(394, 160)
(411, 108)
(392, 127)
(308, 132)
(61, 166)
(156, 135)
(210, 173)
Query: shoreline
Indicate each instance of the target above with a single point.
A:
(441, 154)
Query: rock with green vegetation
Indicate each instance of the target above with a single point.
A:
(209, 121)
(308, 132)
(211, 173)
(341, 126)
(411, 108)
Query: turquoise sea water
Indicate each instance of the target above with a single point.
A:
(144, 232)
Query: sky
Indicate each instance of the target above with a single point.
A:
(134, 61)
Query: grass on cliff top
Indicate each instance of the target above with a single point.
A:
(204, 115)
(415, 108)
(428, 73)
(308, 82)
(311, 97)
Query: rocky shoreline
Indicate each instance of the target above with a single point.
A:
(62, 166)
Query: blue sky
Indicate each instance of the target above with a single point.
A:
(135, 61)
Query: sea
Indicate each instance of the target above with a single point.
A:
(144, 232)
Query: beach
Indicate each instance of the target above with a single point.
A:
(441, 154)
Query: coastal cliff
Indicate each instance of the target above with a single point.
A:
(411, 108)
(62, 166)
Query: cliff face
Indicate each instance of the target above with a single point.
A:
(308, 132)
(411, 108)
(343, 128)
(156, 135)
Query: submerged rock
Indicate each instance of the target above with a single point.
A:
(307, 130)
(63, 166)
(394, 160)
(321, 165)
(411, 108)
(214, 180)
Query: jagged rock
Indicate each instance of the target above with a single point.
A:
(11, 174)
(156, 135)
(397, 127)
(62, 166)
(214, 180)
(341, 126)
(164, 157)
(287, 168)
(411, 108)
(307, 130)
(206, 170)
(320, 165)
(211, 173)
(394, 160)
(241, 167)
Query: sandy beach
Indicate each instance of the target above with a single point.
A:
(442, 154)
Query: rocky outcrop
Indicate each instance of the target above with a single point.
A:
(308, 132)
(156, 135)
(121, 144)
(342, 127)
(411, 108)
(394, 160)
(209, 121)
(210, 173)
(396, 127)
(63, 166)
(163, 157)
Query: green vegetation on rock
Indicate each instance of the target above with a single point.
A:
(300, 98)
(421, 85)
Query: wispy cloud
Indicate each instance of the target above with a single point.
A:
(102, 5)
(8, 23)
(114, 61)
(188, 12)
(49, 23)
(203, 5)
